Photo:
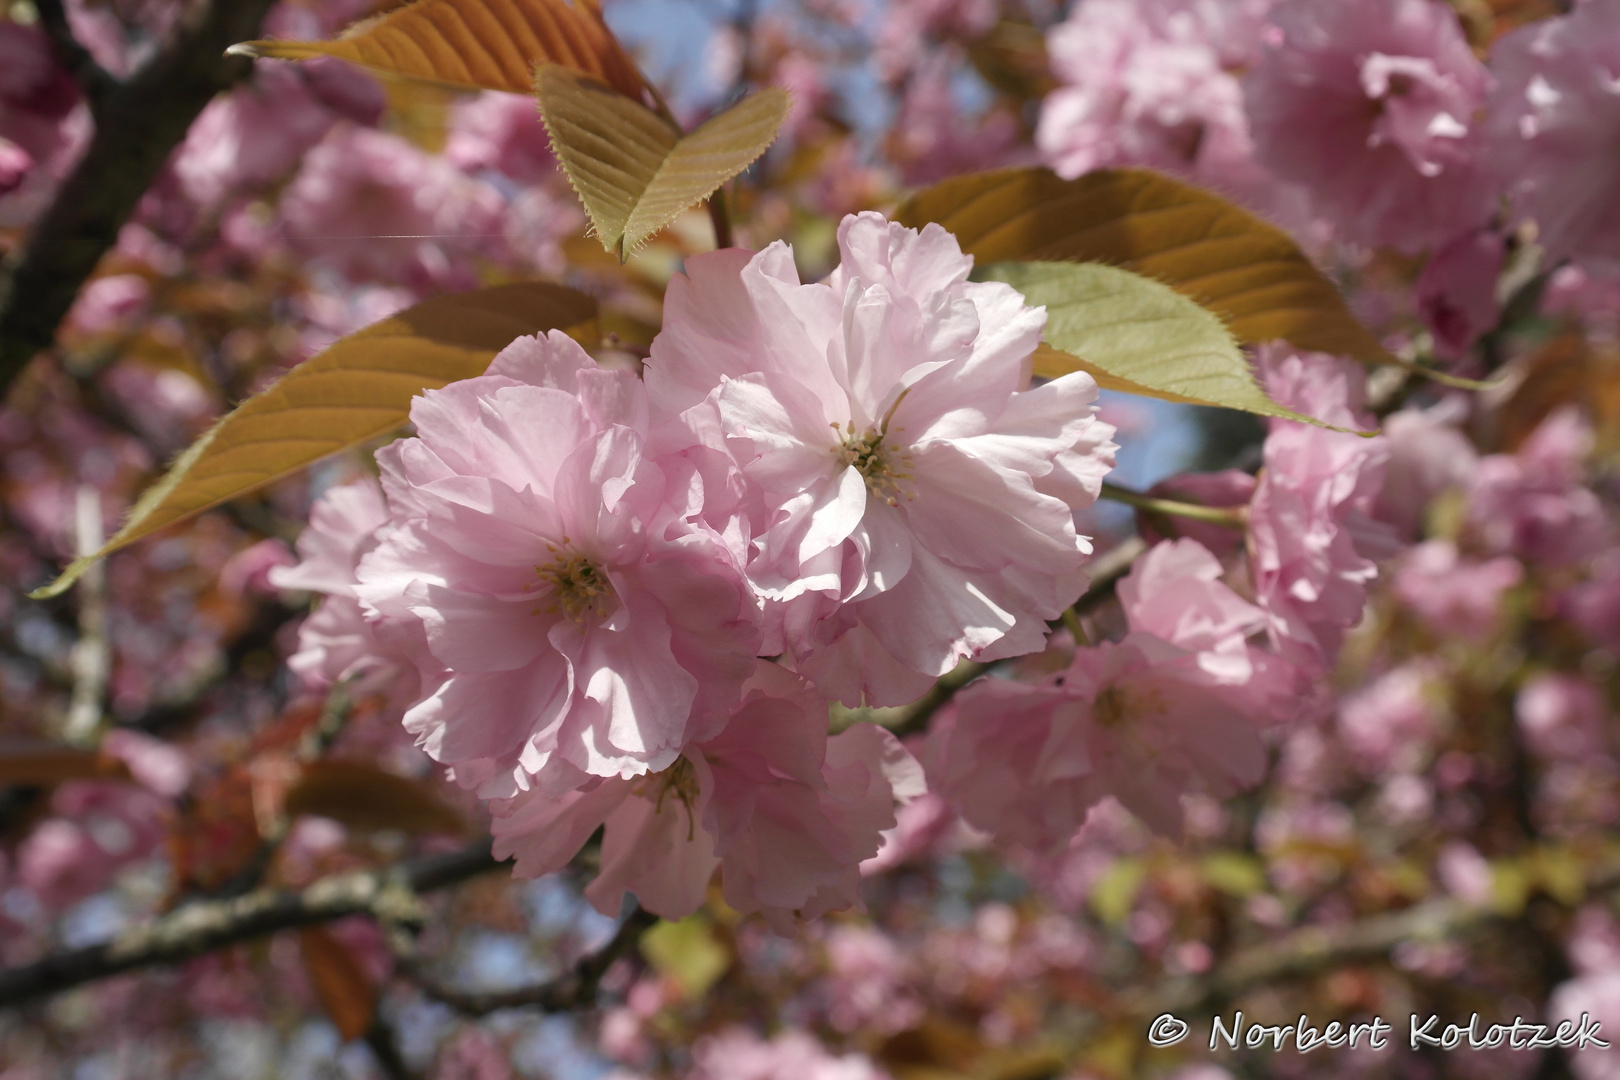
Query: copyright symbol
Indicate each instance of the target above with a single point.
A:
(1167, 1030)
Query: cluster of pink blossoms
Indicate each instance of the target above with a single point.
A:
(575, 572)
(1373, 122)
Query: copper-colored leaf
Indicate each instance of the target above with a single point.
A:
(45, 764)
(483, 44)
(346, 992)
(1248, 272)
(358, 388)
(365, 797)
(634, 170)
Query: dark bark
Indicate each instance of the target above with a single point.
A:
(389, 896)
(139, 122)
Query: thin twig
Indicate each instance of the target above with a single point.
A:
(92, 655)
(1231, 517)
(1315, 950)
(574, 990)
(390, 896)
(910, 719)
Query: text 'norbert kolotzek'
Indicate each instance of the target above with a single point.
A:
(1421, 1031)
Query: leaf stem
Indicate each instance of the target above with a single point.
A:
(1231, 517)
(720, 218)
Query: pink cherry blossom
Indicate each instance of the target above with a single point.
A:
(738, 1054)
(1595, 995)
(1389, 723)
(1553, 120)
(912, 503)
(15, 165)
(336, 642)
(1456, 293)
(786, 813)
(1369, 106)
(1561, 715)
(1594, 604)
(575, 626)
(1535, 503)
(501, 132)
(373, 207)
(96, 829)
(1428, 456)
(1310, 532)
(1152, 82)
(259, 132)
(1174, 707)
(933, 139)
(1455, 595)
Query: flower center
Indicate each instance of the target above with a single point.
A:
(679, 779)
(1116, 704)
(883, 467)
(579, 588)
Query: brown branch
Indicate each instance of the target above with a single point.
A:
(138, 123)
(574, 990)
(96, 84)
(1314, 950)
(390, 896)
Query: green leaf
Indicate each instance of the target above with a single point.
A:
(1114, 893)
(1136, 335)
(483, 44)
(688, 953)
(632, 168)
(1233, 872)
(358, 388)
(1250, 273)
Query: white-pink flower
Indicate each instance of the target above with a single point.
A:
(910, 502)
(786, 813)
(582, 627)
(1370, 106)
(373, 207)
(1153, 82)
(1553, 123)
(336, 642)
(1176, 706)
(1310, 534)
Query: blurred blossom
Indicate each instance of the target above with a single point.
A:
(1553, 121)
(1392, 721)
(1596, 995)
(932, 138)
(110, 304)
(911, 29)
(97, 828)
(867, 984)
(1428, 456)
(375, 208)
(1464, 872)
(502, 132)
(1455, 595)
(1369, 107)
(1594, 605)
(1152, 82)
(1310, 523)
(1456, 293)
(259, 132)
(1562, 716)
(1534, 503)
(738, 1054)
